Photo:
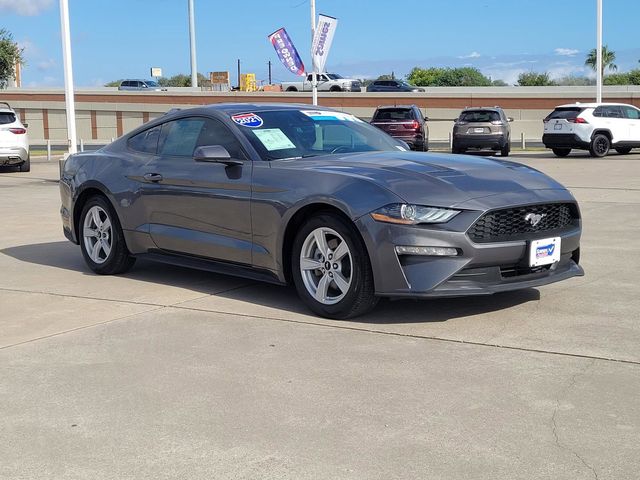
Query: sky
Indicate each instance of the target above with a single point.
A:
(114, 39)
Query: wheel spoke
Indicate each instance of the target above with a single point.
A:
(95, 251)
(89, 232)
(341, 251)
(341, 282)
(309, 264)
(106, 225)
(95, 216)
(323, 288)
(106, 248)
(321, 242)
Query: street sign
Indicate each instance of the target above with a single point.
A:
(156, 72)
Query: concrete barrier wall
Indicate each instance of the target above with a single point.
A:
(104, 114)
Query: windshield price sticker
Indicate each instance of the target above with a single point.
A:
(274, 139)
(248, 120)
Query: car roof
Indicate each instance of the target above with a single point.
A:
(396, 106)
(480, 109)
(232, 108)
(591, 105)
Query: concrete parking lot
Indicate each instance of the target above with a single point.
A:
(170, 373)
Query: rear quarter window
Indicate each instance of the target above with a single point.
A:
(7, 117)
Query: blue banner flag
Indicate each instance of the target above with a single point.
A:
(287, 53)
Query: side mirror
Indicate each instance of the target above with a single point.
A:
(510, 119)
(214, 154)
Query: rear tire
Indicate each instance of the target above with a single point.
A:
(292, 89)
(600, 145)
(457, 150)
(101, 238)
(623, 150)
(26, 165)
(335, 89)
(561, 152)
(504, 151)
(331, 268)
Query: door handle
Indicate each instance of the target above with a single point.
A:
(152, 177)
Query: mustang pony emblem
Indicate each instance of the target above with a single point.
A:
(534, 218)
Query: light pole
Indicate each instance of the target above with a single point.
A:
(68, 77)
(192, 41)
(314, 77)
(599, 51)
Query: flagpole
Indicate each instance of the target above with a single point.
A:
(314, 77)
(599, 51)
(68, 77)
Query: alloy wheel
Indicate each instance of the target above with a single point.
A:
(326, 265)
(97, 234)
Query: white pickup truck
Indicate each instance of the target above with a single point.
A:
(327, 82)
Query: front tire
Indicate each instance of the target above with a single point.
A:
(600, 145)
(335, 89)
(331, 269)
(561, 152)
(292, 89)
(101, 238)
(623, 150)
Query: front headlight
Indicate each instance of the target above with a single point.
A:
(407, 214)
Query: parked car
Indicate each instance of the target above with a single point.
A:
(482, 128)
(318, 198)
(327, 82)
(14, 139)
(596, 127)
(392, 86)
(140, 85)
(404, 122)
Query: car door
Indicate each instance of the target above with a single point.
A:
(199, 208)
(616, 123)
(632, 115)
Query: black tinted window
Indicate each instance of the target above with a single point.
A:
(394, 114)
(565, 113)
(146, 141)
(7, 117)
(612, 112)
(180, 137)
(215, 132)
(632, 113)
(480, 116)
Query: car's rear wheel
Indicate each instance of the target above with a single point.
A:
(101, 238)
(292, 89)
(26, 165)
(561, 152)
(456, 149)
(331, 269)
(335, 89)
(600, 145)
(504, 151)
(623, 150)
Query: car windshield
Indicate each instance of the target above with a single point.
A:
(279, 134)
(393, 114)
(151, 83)
(480, 116)
(334, 76)
(7, 117)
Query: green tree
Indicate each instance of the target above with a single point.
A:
(499, 83)
(608, 57)
(180, 80)
(534, 79)
(10, 55)
(448, 77)
(574, 80)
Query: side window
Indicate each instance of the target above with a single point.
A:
(309, 77)
(598, 112)
(214, 132)
(632, 113)
(126, 83)
(612, 112)
(180, 137)
(146, 142)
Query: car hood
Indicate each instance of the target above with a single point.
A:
(440, 179)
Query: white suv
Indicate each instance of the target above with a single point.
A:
(14, 141)
(596, 127)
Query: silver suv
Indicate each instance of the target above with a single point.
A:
(482, 128)
(141, 85)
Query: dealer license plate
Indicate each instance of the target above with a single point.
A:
(544, 251)
(478, 130)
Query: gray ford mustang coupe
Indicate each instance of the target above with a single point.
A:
(294, 193)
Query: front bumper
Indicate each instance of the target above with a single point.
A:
(494, 142)
(479, 269)
(13, 155)
(564, 140)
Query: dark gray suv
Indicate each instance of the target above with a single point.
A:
(482, 128)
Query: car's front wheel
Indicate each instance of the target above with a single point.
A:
(101, 239)
(331, 268)
(600, 145)
(561, 152)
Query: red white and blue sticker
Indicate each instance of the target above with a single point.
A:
(248, 120)
(545, 251)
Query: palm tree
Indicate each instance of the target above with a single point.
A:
(608, 57)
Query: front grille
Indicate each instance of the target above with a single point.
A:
(511, 224)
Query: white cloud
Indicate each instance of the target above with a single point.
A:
(473, 54)
(25, 7)
(566, 52)
(45, 65)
